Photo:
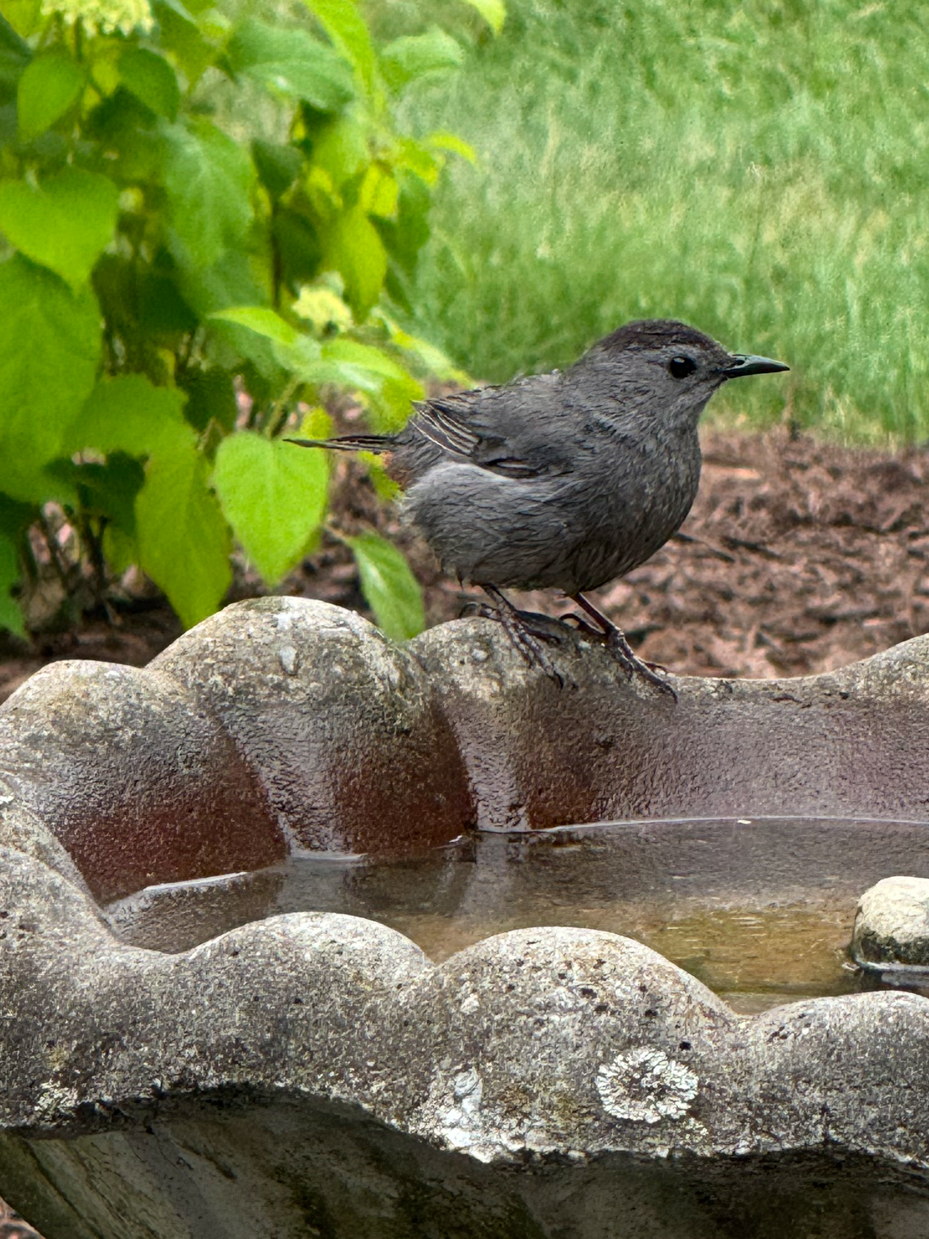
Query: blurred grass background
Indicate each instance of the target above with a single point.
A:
(758, 169)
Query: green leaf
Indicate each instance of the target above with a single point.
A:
(390, 407)
(110, 489)
(162, 310)
(297, 245)
(120, 549)
(273, 495)
(152, 80)
(389, 586)
(130, 414)
(297, 353)
(181, 35)
(292, 63)
(262, 321)
(342, 149)
(303, 360)
(48, 87)
(49, 352)
(64, 223)
(379, 191)
(492, 11)
(365, 357)
(11, 617)
(278, 165)
(346, 27)
(14, 57)
(230, 281)
(411, 57)
(182, 537)
(208, 178)
(353, 247)
(125, 129)
(418, 159)
(23, 15)
(210, 398)
(408, 235)
(430, 358)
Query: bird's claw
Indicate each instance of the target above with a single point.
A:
(627, 658)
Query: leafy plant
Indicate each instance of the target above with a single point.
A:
(178, 289)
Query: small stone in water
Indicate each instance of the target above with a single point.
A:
(892, 924)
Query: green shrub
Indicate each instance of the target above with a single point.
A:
(193, 269)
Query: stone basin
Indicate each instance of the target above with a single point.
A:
(316, 1073)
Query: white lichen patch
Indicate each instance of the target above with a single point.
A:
(645, 1086)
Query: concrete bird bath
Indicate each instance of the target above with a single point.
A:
(199, 1041)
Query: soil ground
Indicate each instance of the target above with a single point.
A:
(799, 556)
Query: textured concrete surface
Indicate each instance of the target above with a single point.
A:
(339, 724)
(283, 724)
(133, 780)
(843, 744)
(315, 1074)
(317, 1066)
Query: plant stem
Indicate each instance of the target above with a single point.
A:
(279, 411)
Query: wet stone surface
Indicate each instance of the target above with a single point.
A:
(892, 925)
(318, 1072)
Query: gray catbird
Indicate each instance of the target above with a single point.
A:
(562, 480)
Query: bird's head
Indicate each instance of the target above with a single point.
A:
(661, 367)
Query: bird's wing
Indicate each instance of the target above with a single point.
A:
(440, 421)
(497, 428)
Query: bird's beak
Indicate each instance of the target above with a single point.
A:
(743, 365)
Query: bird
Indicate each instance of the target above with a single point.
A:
(565, 480)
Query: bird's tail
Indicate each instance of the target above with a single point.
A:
(349, 443)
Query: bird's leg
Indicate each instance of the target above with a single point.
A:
(520, 633)
(579, 624)
(622, 650)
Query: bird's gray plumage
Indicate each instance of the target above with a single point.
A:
(564, 480)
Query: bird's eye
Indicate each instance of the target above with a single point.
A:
(680, 367)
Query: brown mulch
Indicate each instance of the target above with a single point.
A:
(799, 556)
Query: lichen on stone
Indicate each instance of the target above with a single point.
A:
(645, 1086)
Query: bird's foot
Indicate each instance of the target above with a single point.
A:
(528, 643)
(542, 626)
(630, 662)
(526, 631)
(620, 648)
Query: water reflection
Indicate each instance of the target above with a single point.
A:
(761, 911)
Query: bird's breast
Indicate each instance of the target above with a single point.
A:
(634, 507)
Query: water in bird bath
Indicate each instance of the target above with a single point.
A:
(761, 911)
